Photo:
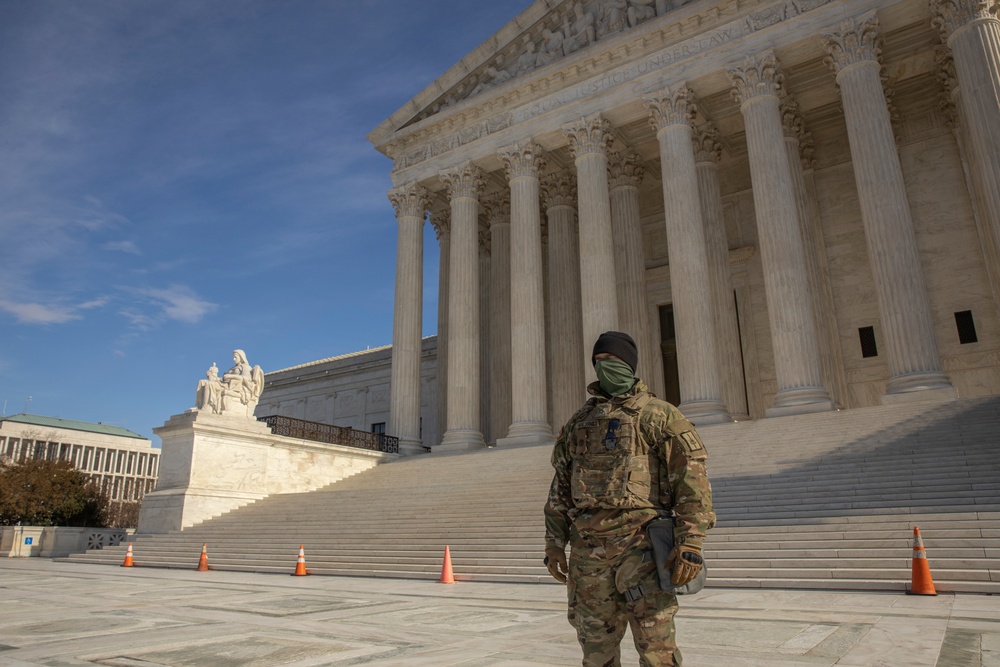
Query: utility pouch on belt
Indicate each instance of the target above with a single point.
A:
(661, 534)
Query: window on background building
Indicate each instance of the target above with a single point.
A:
(378, 427)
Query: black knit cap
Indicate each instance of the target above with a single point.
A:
(619, 344)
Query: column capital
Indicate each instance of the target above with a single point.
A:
(558, 189)
(707, 144)
(857, 41)
(522, 160)
(760, 75)
(465, 180)
(625, 169)
(410, 200)
(949, 81)
(441, 221)
(795, 130)
(954, 14)
(670, 106)
(497, 208)
(591, 134)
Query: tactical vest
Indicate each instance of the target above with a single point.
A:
(615, 464)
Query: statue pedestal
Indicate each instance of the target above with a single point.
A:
(210, 464)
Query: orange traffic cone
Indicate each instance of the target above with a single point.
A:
(300, 564)
(447, 576)
(128, 557)
(203, 561)
(921, 583)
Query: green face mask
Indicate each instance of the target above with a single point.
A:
(615, 376)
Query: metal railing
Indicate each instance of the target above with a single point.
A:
(334, 435)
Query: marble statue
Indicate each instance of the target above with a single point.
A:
(580, 31)
(529, 59)
(615, 17)
(236, 393)
(639, 11)
(552, 46)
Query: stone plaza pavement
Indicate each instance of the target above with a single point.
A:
(61, 614)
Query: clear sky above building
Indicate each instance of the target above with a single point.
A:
(181, 178)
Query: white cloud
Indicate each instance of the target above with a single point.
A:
(55, 313)
(123, 246)
(178, 302)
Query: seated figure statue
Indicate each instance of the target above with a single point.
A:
(209, 392)
(237, 393)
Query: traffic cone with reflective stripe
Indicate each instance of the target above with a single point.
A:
(921, 582)
(203, 561)
(447, 576)
(128, 557)
(300, 565)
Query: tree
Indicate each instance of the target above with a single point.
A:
(48, 493)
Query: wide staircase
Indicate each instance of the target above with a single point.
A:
(814, 501)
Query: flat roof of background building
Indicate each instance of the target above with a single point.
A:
(71, 424)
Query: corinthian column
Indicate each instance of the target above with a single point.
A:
(485, 331)
(625, 174)
(566, 333)
(670, 114)
(798, 142)
(972, 32)
(530, 409)
(727, 333)
(463, 430)
(914, 365)
(497, 207)
(441, 221)
(589, 139)
(789, 305)
(989, 233)
(411, 202)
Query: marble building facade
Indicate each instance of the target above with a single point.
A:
(792, 205)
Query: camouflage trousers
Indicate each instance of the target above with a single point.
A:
(600, 570)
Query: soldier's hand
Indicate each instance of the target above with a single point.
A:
(686, 562)
(555, 560)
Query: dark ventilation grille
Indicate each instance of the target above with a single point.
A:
(966, 327)
(868, 346)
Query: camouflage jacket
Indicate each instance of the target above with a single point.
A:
(622, 461)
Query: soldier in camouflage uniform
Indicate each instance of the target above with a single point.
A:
(624, 459)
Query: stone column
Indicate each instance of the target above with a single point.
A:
(486, 333)
(566, 335)
(989, 234)
(972, 32)
(670, 114)
(411, 202)
(789, 306)
(914, 365)
(463, 429)
(441, 220)
(797, 143)
(625, 174)
(498, 219)
(530, 423)
(707, 150)
(589, 139)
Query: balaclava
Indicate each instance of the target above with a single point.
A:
(616, 377)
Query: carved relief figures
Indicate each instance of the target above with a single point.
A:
(236, 393)
(581, 31)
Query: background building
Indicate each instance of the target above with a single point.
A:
(123, 463)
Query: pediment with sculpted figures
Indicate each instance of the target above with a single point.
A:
(549, 36)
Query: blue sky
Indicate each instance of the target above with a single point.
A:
(181, 178)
